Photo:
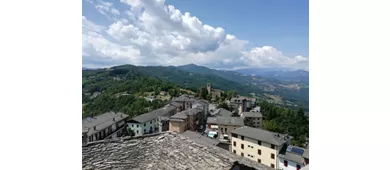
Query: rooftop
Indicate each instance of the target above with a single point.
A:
(199, 138)
(176, 104)
(222, 120)
(192, 111)
(183, 98)
(154, 114)
(101, 121)
(251, 114)
(179, 115)
(162, 151)
(261, 135)
(222, 112)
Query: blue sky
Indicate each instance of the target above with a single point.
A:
(218, 34)
(279, 23)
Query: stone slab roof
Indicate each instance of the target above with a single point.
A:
(176, 104)
(163, 151)
(261, 135)
(164, 111)
(223, 120)
(252, 114)
(101, 121)
(180, 115)
(222, 112)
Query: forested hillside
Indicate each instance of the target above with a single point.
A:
(122, 90)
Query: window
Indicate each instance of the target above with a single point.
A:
(298, 167)
(234, 135)
(144, 124)
(242, 137)
(242, 154)
(132, 125)
(259, 142)
(225, 130)
(285, 163)
(144, 130)
(234, 143)
(272, 146)
(259, 160)
(150, 122)
(249, 146)
(234, 151)
(137, 125)
(259, 151)
(137, 131)
(272, 156)
(272, 166)
(242, 146)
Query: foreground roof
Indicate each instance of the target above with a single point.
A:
(164, 151)
(101, 121)
(261, 135)
(154, 114)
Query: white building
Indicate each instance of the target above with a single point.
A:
(293, 158)
(148, 122)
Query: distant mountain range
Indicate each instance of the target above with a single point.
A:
(280, 74)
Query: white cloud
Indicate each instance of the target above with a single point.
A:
(105, 8)
(158, 34)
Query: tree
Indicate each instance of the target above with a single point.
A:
(203, 93)
(270, 126)
(230, 94)
(225, 106)
(129, 132)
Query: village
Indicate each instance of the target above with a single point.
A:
(238, 133)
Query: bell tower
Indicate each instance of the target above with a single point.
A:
(209, 88)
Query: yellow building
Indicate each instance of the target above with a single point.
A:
(259, 145)
(178, 123)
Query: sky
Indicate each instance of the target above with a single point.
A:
(218, 34)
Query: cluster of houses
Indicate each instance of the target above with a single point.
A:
(239, 132)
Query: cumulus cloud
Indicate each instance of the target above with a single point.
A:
(155, 33)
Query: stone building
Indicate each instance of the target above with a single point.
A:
(215, 93)
(190, 119)
(253, 119)
(107, 125)
(163, 123)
